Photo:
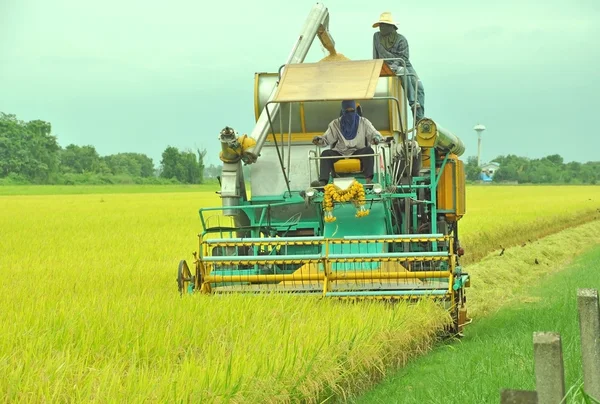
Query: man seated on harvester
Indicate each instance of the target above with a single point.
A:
(348, 135)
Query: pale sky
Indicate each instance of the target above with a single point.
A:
(137, 76)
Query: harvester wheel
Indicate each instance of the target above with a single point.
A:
(185, 280)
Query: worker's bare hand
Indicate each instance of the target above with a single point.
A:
(316, 140)
(377, 139)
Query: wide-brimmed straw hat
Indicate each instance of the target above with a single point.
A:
(385, 18)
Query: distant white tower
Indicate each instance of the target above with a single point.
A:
(479, 128)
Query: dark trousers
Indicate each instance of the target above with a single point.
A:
(366, 163)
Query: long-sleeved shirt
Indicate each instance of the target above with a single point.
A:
(364, 136)
(398, 50)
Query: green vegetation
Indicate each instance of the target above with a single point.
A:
(547, 170)
(497, 351)
(30, 154)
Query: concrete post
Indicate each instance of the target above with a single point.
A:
(549, 367)
(589, 329)
(518, 397)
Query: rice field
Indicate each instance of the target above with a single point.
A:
(503, 216)
(89, 309)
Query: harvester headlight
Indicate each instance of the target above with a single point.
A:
(310, 192)
(377, 188)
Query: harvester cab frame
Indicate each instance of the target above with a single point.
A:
(333, 81)
(394, 239)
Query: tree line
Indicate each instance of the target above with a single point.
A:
(546, 170)
(29, 153)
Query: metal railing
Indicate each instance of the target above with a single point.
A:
(363, 268)
(379, 153)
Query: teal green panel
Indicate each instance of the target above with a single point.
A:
(347, 224)
(296, 250)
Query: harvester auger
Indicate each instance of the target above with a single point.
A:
(395, 238)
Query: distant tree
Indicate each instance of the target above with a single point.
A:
(472, 170)
(191, 168)
(79, 159)
(201, 155)
(505, 173)
(212, 171)
(511, 168)
(28, 149)
(29, 153)
(590, 172)
(547, 170)
(181, 165)
(573, 167)
(171, 165)
(146, 165)
(132, 164)
(555, 159)
(12, 145)
(39, 127)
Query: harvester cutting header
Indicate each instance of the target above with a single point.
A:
(346, 200)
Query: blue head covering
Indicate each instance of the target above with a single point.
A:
(349, 120)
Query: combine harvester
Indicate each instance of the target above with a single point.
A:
(396, 238)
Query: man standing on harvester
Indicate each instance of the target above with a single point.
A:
(389, 44)
(350, 134)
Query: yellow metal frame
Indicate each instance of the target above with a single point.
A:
(302, 118)
(205, 278)
(307, 137)
(256, 82)
(391, 103)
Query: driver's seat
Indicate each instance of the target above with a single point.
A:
(347, 166)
